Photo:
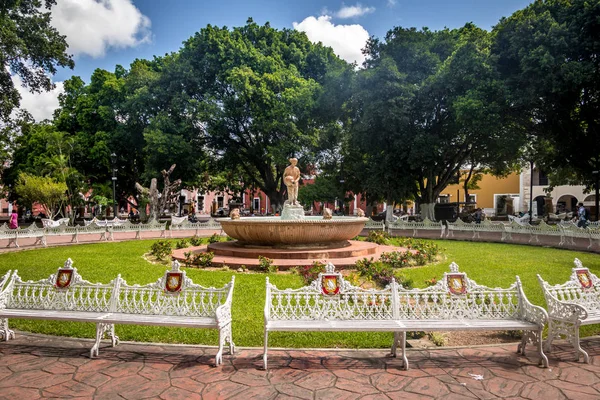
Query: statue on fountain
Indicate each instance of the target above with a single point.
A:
(291, 177)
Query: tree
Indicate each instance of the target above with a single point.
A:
(43, 190)
(431, 104)
(547, 56)
(30, 48)
(254, 94)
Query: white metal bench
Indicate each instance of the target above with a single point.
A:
(571, 305)
(152, 226)
(375, 225)
(174, 300)
(48, 223)
(543, 229)
(459, 303)
(571, 232)
(329, 303)
(416, 226)
(13, 235)
(4, 332)
(186, 225)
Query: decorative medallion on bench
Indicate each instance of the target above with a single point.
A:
(456, 281)
(174, 279)
(330, 281)
(64, 275)
(584, 277)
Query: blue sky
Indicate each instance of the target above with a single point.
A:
(104, 33)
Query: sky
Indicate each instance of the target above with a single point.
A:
(105, 33)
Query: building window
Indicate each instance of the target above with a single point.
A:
(256, 204)
(220, 201)
(472, 199)
(444, 198)
(200, 203)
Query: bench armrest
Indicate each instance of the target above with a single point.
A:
(563, 311)
(531, 312)
(223, 312)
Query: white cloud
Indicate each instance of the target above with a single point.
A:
(353, 11)
(391, 3)
(347, 41)
(40, 105)
(93, 26)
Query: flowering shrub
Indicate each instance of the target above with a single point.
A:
(427, 250)
(377, 271)
(431, 282)
(196, 240)
(311, 272)
(265, 264)
(396, 259)
(379, 237)
(160, 249)
(182, 244)
(215, 237)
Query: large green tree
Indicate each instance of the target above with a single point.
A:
(548, 55)
(255, 94)
(30, 48)
(429, 104)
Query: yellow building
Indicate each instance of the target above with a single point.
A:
(496, 196)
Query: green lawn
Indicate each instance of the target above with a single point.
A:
(489, 264)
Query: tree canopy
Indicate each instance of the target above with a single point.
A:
(30, 48)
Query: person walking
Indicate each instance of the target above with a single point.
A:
(14, 220)
(582, 216)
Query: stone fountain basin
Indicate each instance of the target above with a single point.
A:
(308, 232)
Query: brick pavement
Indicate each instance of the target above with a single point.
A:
(38, 366)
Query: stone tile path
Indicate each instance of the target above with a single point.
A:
(37, 366)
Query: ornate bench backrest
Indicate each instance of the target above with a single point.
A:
(456, 296)
(330, 297)
(64, 291)
(173, 294)
(582, 288)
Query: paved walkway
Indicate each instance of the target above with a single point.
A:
(38, 366)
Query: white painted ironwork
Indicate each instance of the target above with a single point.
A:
(375, 225)
(347, 308)
(416, 226)
(186, 225)
(571, 305)
(470, 306)
(72, 298)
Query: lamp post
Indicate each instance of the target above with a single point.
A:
(597, 176)
(113, 161)
(531, 192)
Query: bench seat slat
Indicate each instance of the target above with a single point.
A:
(81, 316)
(161, 320)
(342, 326)
(467, 324)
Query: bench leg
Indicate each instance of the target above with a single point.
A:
(395, 344)
(101, 330)
(404, 358)
(6, 333)
(535, 337)
(579, 351)
(265, 352)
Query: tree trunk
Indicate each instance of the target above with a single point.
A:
(428, 211)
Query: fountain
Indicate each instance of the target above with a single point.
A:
(292, 238)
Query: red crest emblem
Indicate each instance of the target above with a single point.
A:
(330, 284)
(63, 278)
(173, 282)
(584, 277)
(456, 283)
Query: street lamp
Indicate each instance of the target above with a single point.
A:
(113, 161)
(342, 204)
(597, 176)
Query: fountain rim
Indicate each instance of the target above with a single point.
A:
(277, 220)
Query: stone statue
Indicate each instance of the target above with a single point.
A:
(158, 202)
(291, 177)
(360, 213)
(235, 213)
(327, 214)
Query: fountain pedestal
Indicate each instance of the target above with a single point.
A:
(290, 213)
